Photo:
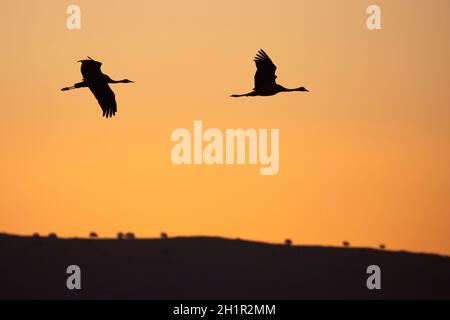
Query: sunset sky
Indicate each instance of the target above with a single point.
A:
(364, 156)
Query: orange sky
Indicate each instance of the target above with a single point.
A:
(363, 157)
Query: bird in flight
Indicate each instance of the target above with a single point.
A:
(98, 83)
(265, 84)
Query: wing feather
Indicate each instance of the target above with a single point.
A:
(91, 69)
(265, 70)
(105, 97)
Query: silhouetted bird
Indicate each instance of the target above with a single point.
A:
(265, 84)
(97, 82)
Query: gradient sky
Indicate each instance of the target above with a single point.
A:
(364, 156)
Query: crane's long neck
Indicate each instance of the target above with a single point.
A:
(119, 81)
(294, 89)
(283, 89)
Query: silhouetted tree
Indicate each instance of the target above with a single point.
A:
(382, 246)
(346, 244)
(52, 236)
(164, 235)
(130, 236)
(120, 235)
(93, 235)
(288, 242)
(36, 235)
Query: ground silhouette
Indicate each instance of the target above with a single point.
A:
(212, 268)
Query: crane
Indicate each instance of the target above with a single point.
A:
(265, 84)
(98, 83)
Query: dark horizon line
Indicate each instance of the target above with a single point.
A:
(210, 237)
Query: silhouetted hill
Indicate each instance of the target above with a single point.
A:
(212, 268)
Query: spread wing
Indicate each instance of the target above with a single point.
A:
(265, 70)
(91, 69)
(105, 97)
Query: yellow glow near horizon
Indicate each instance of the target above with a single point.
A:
(363, 157)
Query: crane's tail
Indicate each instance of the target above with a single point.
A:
(240, 95)
(75, 86)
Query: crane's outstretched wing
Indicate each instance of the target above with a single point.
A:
(265, 70)
(91, 69)
(105, 97)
